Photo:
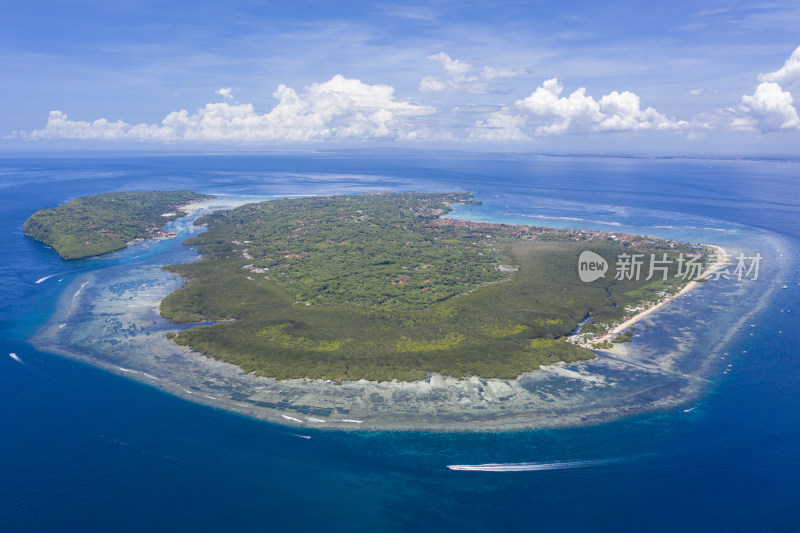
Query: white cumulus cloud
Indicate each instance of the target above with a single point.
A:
(226, 93)
(768, 109)
(58, 126)
(576, 113)
(771, 106)
(452, 66)
(788, 73)
(340, 108)
(460, 76)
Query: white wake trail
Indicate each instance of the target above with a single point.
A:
(532, 467)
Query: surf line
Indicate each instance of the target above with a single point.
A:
(532, 467)
(84, 284)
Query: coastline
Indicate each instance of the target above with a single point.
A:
(447, 404)
(656, 375)
(73, 229)
(720, 252)
(634, 379)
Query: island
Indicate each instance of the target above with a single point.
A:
(103, 223)
(384, 287)
(388, 312)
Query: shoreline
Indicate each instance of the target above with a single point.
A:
(444, 420)
(604, 389)
(721, 252)
(633, 380)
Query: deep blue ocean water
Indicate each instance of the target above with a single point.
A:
(83, 449)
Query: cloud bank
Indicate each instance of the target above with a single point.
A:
(349, 109)
(576, 113)
(340, 108)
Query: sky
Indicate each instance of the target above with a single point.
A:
(642, 77)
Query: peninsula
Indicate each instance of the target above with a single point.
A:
(103, 223)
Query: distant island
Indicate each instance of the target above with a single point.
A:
(381, 287)
(103, 223)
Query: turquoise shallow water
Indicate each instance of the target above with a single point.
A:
(85, 449)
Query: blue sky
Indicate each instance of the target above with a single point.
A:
(659, 77)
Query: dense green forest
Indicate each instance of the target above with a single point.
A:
(94, 225)
(381, 287)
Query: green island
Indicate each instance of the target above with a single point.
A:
(383, 287)
(103, 223)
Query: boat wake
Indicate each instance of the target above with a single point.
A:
(45, 278)
(532, 467)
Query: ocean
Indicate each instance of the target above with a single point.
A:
(85, 449)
